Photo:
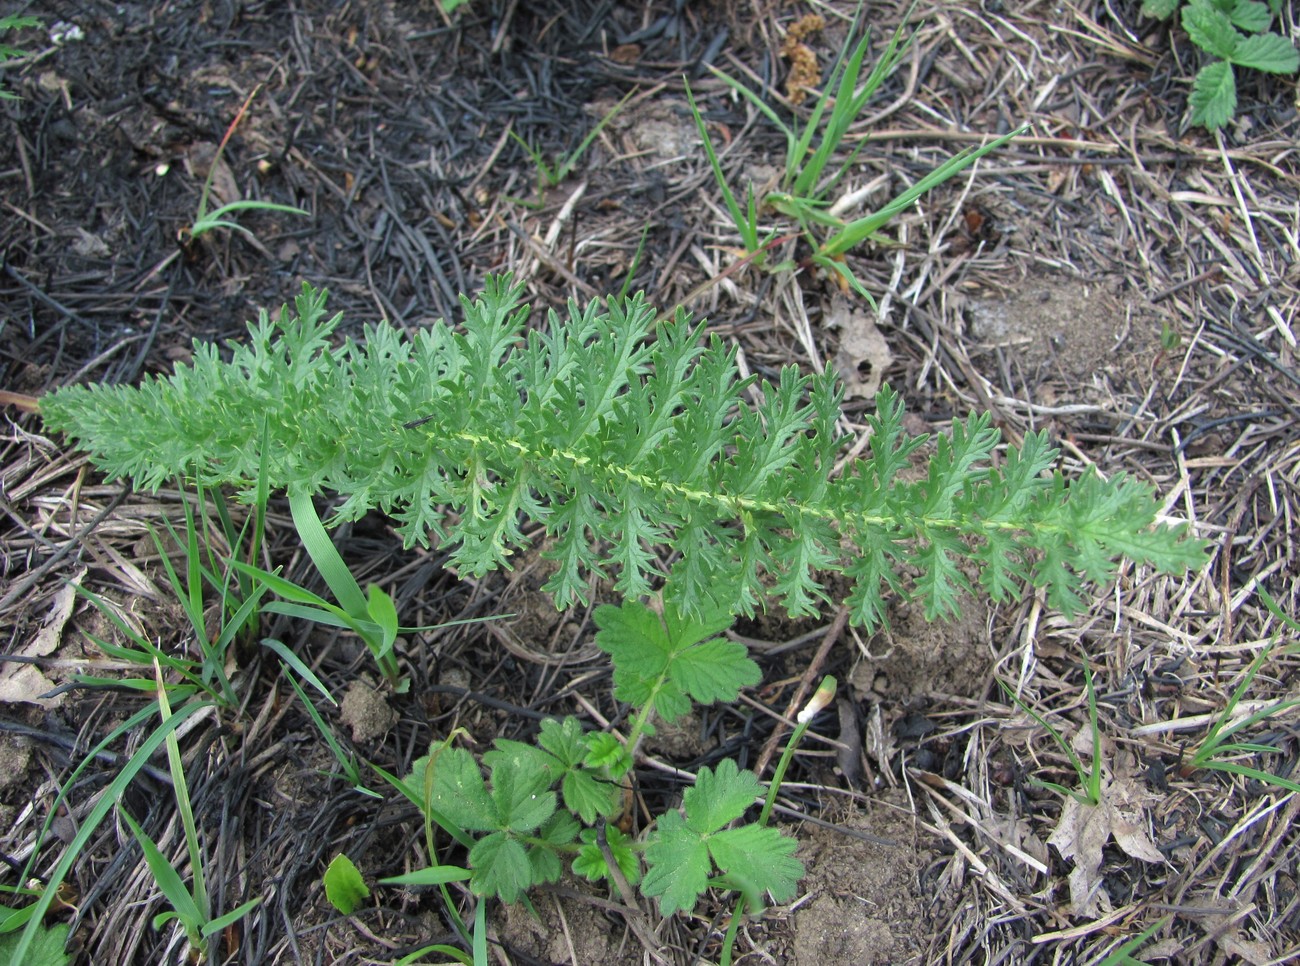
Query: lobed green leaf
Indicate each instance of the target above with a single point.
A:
(683, 850)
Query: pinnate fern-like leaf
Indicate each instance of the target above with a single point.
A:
(632, 444)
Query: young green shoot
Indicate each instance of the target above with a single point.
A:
(1090, 777)
(808, 176)
(745, 219)
(204, 220)
(344, 887)
(371, 615)
(1219, 750)
(549, 176)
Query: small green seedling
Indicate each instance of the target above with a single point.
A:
(1090, 777)
(204, 220)
(545, 803)
(344, 887)
(550, 177)
(1218, 750)
(1236, 34)
(7, 23)
(812, 172)
(370, 614)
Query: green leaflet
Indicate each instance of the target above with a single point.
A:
(667, 663)
(754, 859)
(623, 438)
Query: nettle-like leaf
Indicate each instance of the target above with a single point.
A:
(683, 851)
(1214, 95)
(630, 443)
(666, 663)
(1211, 29)
(1250, 15)
(1271, 53)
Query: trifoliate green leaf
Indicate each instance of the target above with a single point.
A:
(586, 790)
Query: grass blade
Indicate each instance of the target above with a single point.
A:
(107, 800)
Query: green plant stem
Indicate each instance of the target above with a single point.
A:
(821, 697)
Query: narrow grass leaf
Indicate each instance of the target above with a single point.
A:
(431, 876)
(299, 667)
(214, 926)
(168, 879)
(324, 554)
